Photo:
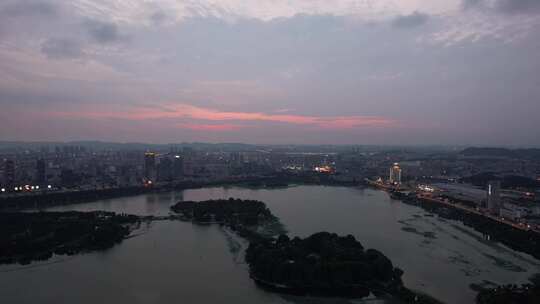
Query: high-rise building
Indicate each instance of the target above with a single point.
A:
(150, 170)
(9, 172)
(395, 174)
(494, 197)
(178, 167)
(41, 175)
(164, 169)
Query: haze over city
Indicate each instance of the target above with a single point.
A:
(269, 72)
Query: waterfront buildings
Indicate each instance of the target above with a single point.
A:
(494, 197)
(395, 174)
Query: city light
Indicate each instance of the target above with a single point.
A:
(49, 187)
(3, 189)
(293, 168)
(426, 188)
(324, 169)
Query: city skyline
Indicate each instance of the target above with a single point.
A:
(454, 72)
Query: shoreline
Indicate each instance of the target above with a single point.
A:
(43, 200)
(478, 222)
(513, 236)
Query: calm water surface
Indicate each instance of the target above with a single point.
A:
(180, 262)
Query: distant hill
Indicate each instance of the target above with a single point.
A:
(502, 152)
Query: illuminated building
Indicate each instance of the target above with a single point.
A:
(494, 197)
(395, 174)
(150, 169)
(426, 188)
(324, 169)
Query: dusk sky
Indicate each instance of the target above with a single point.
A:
(271, 72)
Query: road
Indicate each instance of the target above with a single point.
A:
(478, 212)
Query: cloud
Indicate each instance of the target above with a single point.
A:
(409, 21)
(61, 48)
(328, 65)
(185, 111)
(518, 6)
(210, 127)
(504, 6)
(285, 110)
(468, 4)
(28, 8)
(232, 10)
(158, 17)
(103, 32)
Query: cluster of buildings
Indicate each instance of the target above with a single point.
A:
(513, 206)
(519, 206)
(85, 169)
(436, 172)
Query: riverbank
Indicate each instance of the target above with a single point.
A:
(46, 199)
(515, 236)
(526, 241)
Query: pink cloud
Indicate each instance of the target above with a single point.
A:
(185, 111)
(207, 127)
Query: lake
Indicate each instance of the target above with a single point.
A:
(172, 261)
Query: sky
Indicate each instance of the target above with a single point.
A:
(390, 72)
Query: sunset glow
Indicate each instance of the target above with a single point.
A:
(181, 112)
(339, 72)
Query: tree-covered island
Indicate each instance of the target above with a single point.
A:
(323, 264)
(250, 219)
(33, 236)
